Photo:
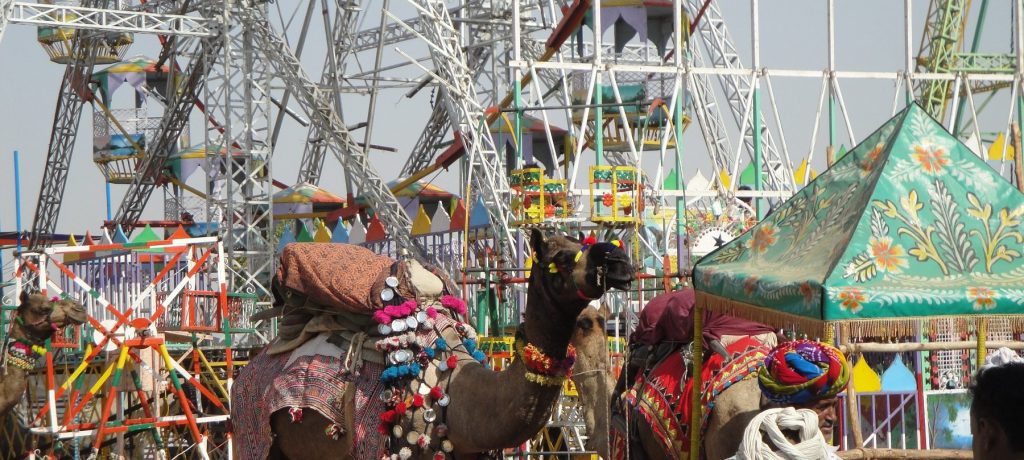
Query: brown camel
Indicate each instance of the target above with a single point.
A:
(734, 408)
(491, 410)
(593, 376)
(36, 321)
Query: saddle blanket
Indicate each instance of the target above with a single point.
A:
(310, 377)
(663, 402)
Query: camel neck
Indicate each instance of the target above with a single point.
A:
(549, 323)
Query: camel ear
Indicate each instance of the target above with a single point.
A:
(604, 310)
(537, 243)
(580, 236)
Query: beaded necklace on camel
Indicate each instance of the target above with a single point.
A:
(22, 354)
(408, 358)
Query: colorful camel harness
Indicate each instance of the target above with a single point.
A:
(587, 242)
(22, 354)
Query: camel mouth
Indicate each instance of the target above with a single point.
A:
(619, 281)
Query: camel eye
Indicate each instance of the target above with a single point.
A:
(564, 258)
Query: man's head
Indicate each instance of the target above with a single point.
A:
(997, 412)
(808, 375)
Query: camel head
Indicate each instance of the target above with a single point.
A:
(590, 327)
(574, 274)
(39, 317)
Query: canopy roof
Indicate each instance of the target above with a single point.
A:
(909, 224)
(305, 200)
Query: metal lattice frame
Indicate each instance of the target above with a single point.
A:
(106, 20)
(942, 35)
(174, 120)
(6, 7)
(722, 54)
(74, 92)
(438, 125)
(317, 104)
(312, 164)
(238, 97)
(489, 181)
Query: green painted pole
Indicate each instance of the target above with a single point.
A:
(518, 124)
(598, 129)
(680, 186)
(831, 117)
(975, 43)
(758, 179)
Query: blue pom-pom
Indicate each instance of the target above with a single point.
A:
(470, 345)
(479, 356)
(414, 369)
(440, 344)
(430, 353)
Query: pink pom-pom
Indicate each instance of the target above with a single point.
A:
(431, 313)
(454, 303)
(409, 306)
(381, 317)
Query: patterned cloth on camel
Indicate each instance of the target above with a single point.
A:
(666, 408)
(669, 318)
(339, 285)
(314, 382)
(311, 377)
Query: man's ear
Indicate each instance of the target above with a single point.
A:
(990, 436)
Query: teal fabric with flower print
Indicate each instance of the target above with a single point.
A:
(909, 223)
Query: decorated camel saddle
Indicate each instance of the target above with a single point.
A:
(349, 320)
(659, 388)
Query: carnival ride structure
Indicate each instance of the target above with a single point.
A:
(542, 121)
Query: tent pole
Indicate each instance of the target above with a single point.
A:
(698, 367)
(982, 328)
(852, 412)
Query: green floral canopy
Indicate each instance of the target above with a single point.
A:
(909, 224)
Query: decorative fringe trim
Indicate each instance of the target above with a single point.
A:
(815, 329)
(856, 329)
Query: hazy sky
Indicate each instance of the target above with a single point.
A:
(869, 36)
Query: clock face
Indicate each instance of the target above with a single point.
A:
(710, 240)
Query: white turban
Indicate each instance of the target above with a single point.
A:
(812, 445)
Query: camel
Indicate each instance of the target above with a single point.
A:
(593, 376)
(36, 321)
(488, 410)
(734, 408)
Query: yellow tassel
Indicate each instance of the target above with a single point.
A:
(579, 255)
(617, 243)
(552, 268)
